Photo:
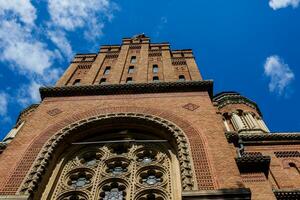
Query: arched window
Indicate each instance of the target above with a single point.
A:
(76, 82)
(155, 79)
(130, 69)
(102, 81)
(133, 59)
(107, 70)
(129, 80)
(155, 69)
(116, 169)
(181, 78)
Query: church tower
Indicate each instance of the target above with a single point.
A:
(136, 121)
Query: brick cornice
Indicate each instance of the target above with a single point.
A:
(136, 88)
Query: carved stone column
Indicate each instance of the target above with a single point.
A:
(237, 122)
(262, 125)
(226, 125)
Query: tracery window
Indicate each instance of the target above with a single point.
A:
(115, 171)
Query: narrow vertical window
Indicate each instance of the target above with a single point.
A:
(76, 82)
(155, 69)
(102, 81)
(129, 80)
(107, 70)
(133, 59)
(155, 79)
(181, 78)
(130, 69)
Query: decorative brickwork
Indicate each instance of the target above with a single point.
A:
(253, 177)
(286, 154)
(178, 61)
(54, 112)
(190, 106)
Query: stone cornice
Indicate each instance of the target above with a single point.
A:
(135, 88)
(265, 138)
(225, 98)
(234, 193)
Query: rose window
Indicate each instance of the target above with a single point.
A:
(146, 156)
(151, 177)
(79, 179)
(113, 191)
(117, 167)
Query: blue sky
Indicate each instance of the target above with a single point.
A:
(249, 46)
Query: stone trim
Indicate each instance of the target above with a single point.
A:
(237, 194)
(135, 88)
(14, 197)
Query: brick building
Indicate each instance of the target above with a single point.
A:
(137, 121)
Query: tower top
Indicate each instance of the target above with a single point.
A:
(136, 60)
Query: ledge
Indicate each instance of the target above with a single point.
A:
(257, 163)
(134, 88)
(14, 197)
(264, 138)
(236, 194)
(292, 194)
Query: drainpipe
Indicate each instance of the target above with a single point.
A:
(241, 149)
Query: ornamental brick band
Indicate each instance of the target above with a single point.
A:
(29, 170)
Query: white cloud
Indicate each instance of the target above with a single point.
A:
(24, 52)
(277, 4)
(60, 40)
(21, 8)
(23, 39)
(3, 104)
(279, 73)
(88, 14)
(29, 93)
